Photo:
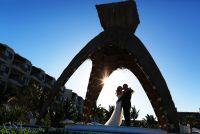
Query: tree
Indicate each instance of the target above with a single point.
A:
(100, 114)
(62, 110)
(110, 111)
(17, 101)
(12, 114)
(134, 113)
(190, 119)
(14, 107)
(69, 110)
(150, 121)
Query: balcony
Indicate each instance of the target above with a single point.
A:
(18, 78)
(22, 64)
(6, 54)
(49, 81)
(38, 75)
(4, 70)
(35, 83)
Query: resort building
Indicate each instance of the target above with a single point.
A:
(80, 105)
(18, 72)
(64, 94)
(37, 77)
(78, 101)
(49, 82)
(189, 117)
(6, 59)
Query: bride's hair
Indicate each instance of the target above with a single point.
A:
(119, 90)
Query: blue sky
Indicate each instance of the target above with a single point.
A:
(51, 32)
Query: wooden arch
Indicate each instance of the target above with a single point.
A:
(118, 47)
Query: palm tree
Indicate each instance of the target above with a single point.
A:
(134, 114)
(150, 121)
(110, 111)
(100, 114)
(62, 110)
(190, 120)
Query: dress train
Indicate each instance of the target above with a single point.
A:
(116, 117)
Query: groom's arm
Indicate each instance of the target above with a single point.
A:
(130, 91)
(121, 98)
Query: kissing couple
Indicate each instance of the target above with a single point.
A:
(124, 94)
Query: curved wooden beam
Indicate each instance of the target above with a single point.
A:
(155, 78)
(99, 71)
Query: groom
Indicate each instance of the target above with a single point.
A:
(126, 103)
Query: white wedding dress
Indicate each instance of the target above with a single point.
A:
(116, 117)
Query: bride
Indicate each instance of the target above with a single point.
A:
(116, 117)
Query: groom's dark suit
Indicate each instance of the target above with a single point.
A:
(126, 105)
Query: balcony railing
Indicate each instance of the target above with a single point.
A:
(18, 79)
(50, 83)
(39, 77)
(4, 70)
(7, 56)
(26, 68)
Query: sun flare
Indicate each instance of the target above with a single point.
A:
(105, 80)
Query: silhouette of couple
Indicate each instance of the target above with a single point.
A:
(124, 102)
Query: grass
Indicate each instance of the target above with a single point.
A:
(22, 131)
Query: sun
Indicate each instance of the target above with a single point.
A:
(105, 80)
